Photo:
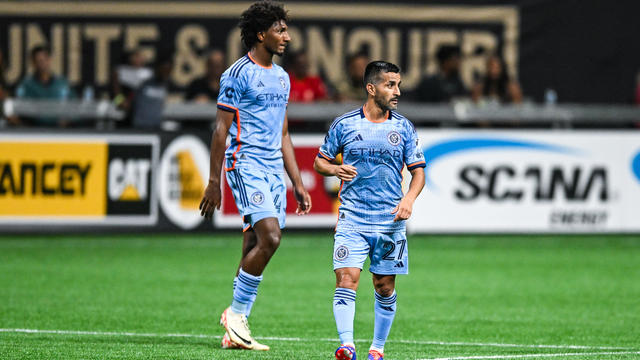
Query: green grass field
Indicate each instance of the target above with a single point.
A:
(467, 297)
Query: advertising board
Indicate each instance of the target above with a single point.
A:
(528, 181)
(85, 179)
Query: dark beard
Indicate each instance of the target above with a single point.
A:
(383, 106)
(273, 52)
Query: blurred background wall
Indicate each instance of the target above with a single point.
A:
(587, 51)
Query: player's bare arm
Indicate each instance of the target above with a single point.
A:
(404, 209)
(342, 172)
(212, 194)
(289, 158)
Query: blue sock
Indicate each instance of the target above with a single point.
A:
(251, 300)
(344, 310)
(245, 292)
(385, 310)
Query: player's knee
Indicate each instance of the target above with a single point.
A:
(347, 281)
(385, 290)
(271, 240)
(274, 241)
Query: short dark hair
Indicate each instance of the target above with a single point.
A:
(446, 52)
(39, 48)
(259, 17)
(375, 68)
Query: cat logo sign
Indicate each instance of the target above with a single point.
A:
(128, 179)
(129, 183)
(184, 170)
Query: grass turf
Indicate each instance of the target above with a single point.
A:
(526, 290)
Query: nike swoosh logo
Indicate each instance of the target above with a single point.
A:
(240, 337)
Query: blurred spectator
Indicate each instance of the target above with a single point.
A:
(43, 85)
(304, 86)
(206, 88)
(126, 79)
(148, 101)
(497, 84)
(352, 89)
(446, 84)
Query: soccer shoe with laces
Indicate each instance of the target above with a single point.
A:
(375, 355)
(346, 352)
(228, 319)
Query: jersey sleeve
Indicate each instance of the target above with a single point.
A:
(413, 156)
(332, 145)
(231, 90)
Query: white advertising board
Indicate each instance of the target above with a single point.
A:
(529, 181)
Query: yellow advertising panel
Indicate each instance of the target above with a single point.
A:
(53, 179)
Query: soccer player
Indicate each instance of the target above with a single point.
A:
(252, 105)
(376, 143)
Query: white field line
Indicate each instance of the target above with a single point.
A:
(536, 355)
(295, 339)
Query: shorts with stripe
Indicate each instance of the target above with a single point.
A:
(258, 195)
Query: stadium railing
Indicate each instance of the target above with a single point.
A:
(104, 114)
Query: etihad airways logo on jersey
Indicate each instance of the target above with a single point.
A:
(272, 97)
(374, 152)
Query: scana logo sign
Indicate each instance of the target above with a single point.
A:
(447, 148)
(507, 181)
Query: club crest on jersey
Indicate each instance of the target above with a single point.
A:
(394, 138)
(283, 83)
(257, 198)
(341, 253)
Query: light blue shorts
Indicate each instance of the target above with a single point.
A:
(388, 251)
(258, 195)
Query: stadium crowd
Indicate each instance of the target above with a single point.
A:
(140, 87)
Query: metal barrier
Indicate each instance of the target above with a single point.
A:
(448, 115)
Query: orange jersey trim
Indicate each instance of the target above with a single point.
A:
(227, 106)
(325, 156)
(416, 164)
(255, 62)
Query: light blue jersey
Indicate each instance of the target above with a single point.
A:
(379, 151)
(258, 97)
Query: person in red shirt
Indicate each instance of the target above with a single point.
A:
(305, 87)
